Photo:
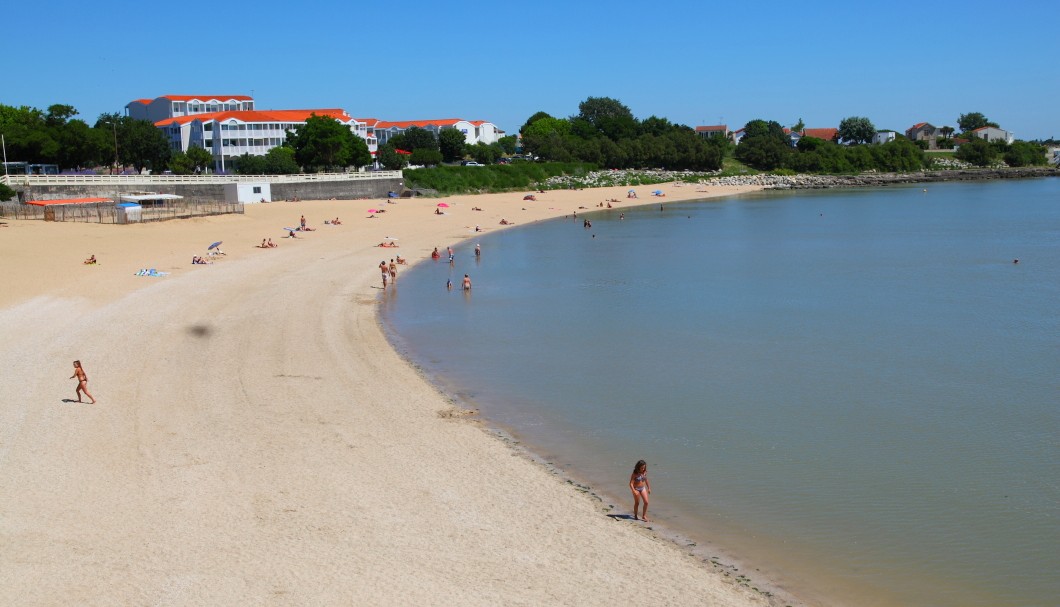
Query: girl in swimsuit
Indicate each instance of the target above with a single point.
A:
(82, 382)
(641, 488)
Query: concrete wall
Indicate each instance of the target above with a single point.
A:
(317, 190)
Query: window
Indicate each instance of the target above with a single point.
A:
(257, 189)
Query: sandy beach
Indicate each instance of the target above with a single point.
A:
(257, 441)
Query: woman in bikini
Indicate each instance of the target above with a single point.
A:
(82, 382)
(641, 488)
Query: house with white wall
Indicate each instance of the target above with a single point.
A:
(176, 106)
(992, 133)
(475, 131)
(882, 137)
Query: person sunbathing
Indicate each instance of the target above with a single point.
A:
(475, 209)
(387, 245)
(199, 260)
(505, 222)
(90, 261)
(263, 245)
(401, 260)
(271, 244)
(336, 222)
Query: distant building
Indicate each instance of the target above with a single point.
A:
(924, 131)
(992, 133)
(882, 137)
(255, 132)
(475, 131)
(719, 130)
(176, 106)
(828, 134)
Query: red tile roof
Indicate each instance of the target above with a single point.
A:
(826, 134)
(42, 203)
(259, 116)
(404, 124)
(143, 101)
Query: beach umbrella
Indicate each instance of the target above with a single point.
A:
(291, 229)
(390, 238)
(657, 192)
(373, 210)
(443, 205)
(214, 245)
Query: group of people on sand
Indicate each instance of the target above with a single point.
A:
(267, 243)
(199, 260)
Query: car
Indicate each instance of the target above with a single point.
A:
(472, 163)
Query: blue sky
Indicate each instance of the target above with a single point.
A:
(695, 62)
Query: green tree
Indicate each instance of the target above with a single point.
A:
(1025, 153)
(249, 164)
(425, 157)
(200, 158)
(140, 144)
(6, 193)
(978, 152)
(546, 137)
(856, 129)
(973, 120)
(508, 143)
(180, 164)
(602, 112)
(281, 161)
(799, 127)
(324, 143)
(484, 153)
(390, 159)
(451, 144)
(531, 120)
(763, 152)
(415, 138)
(759, 127)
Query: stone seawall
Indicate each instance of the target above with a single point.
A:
(807, 182)
(211, 192)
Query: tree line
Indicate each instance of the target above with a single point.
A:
(605, 132)
(766, 146)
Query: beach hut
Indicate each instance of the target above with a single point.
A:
(129, 212)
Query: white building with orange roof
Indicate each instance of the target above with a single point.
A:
(234, 133)
(175, 106)
(475, 131)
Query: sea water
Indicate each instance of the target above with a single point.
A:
(857, 392)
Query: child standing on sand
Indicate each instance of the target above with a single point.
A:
(82, 382)
(641, 488)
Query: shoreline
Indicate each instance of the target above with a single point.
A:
(258, 436)
(870, 180)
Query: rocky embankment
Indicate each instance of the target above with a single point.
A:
(814, 182)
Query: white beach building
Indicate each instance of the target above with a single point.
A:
(176, 106)
(475, 131)
(255, 132)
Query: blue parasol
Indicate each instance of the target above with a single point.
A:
(214, 245)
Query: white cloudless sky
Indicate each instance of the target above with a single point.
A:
(694, 62)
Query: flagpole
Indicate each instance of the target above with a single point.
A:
(4, 142)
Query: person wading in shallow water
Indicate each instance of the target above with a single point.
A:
(82, 382)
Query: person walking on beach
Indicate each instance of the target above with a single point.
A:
(82, 382)
(641, 488)
(385, 270)
(393, 271)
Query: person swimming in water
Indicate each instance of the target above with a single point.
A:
(641, 488)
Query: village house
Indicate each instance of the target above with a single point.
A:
(882, 137)
(992, 133)
(719, 130)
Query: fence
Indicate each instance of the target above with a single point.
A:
(108, 212)
(131, 180)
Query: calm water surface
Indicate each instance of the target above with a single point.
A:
(856, 391)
